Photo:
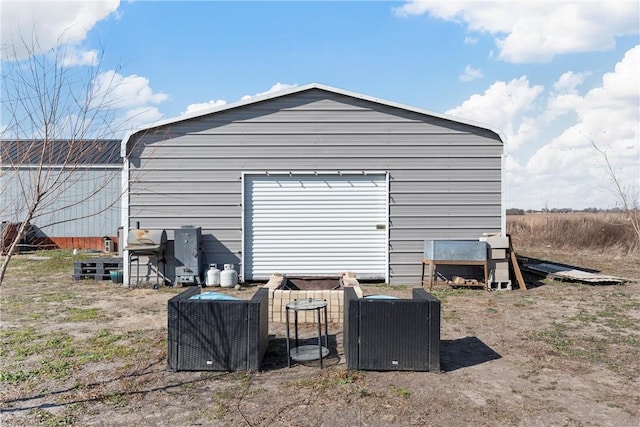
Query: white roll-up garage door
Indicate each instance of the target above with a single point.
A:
(312, 225)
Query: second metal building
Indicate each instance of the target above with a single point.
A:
(316, 180)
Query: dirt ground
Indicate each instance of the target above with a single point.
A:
(94, 354)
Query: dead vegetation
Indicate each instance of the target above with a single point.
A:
(594, 232)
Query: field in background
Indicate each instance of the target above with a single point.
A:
(603, 232)
(601, 241)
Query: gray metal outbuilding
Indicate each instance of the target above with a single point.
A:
(316, 180)
(82, 204)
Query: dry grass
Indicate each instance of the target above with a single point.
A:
(596, 232)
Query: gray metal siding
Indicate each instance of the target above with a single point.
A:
(60, 152)
(445, 176)
(86, 205)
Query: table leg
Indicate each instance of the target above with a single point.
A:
(295, 326)
(326, 328)
(288, 345)
(431, 265)
(319, 336)
(486, 277)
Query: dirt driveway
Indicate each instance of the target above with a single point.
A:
(94, 354)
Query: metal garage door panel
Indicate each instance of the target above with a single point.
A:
(315, 225)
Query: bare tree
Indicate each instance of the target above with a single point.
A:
(627, 195)
(44, 101)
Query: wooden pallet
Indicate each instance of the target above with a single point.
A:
(96, 269)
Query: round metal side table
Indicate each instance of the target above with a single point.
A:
(305, 353)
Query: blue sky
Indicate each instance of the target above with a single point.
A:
(551, 75)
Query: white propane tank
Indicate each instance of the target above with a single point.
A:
(228, 276)
(213, 275)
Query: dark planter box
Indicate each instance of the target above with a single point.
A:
(392, 334)
(217, 335)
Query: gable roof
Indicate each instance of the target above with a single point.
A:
(61, 152)
(298, 89)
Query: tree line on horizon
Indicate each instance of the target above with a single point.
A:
(518, 211)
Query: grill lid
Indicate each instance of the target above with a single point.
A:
(146, 240)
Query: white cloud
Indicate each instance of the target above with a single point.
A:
(470, 40)
(73, 57)
(275, 88)
(137, 117)
(130, 98)
(564, 98)
(568, 167)
(538, 31)
(569, 81)
(470, 74)
(118, 91)
(192, 108)
(503, 106)
(608, 116)
(46, 25)
(558, 165)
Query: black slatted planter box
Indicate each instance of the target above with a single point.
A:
(217, 335)
(392, 334)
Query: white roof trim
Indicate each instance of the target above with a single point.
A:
(296, 89)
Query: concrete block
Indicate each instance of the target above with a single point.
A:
(498, 264)
(499, 276)
(498, 253)
(500, 286)
(498, 242)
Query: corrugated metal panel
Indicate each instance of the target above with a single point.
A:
(315, 225)
(233, 141)
(85, 201)
(60, 151)
(444, 176)
(279, 152)
(253, 159)
(86, 204)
